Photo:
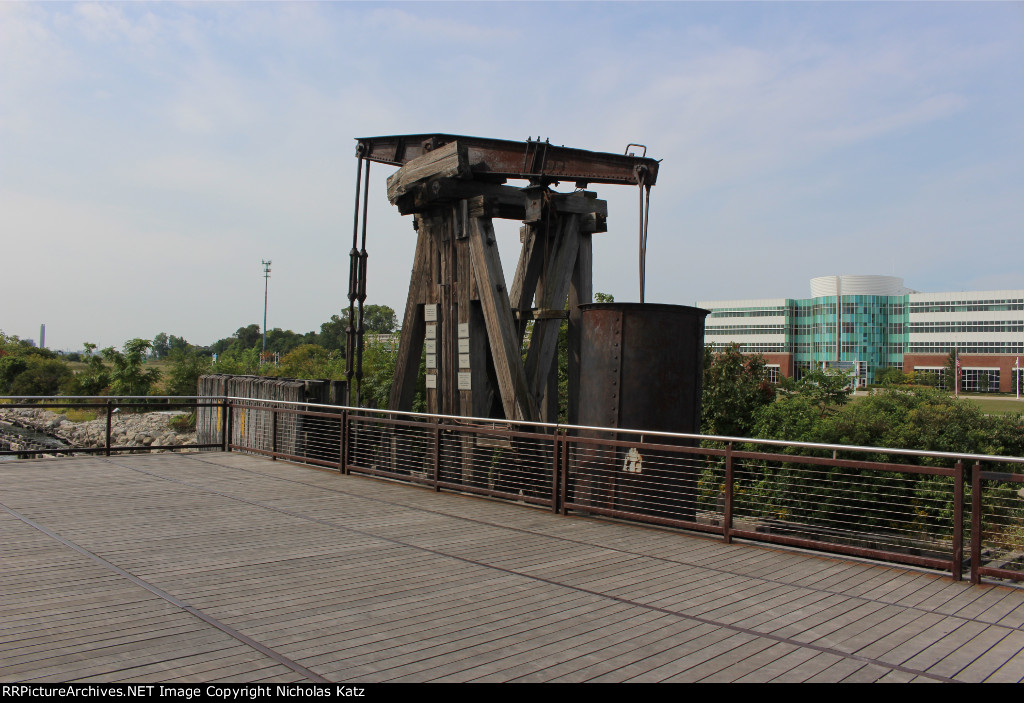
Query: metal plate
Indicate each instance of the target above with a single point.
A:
(430, 312)
(431, 346)
(463, 346)
(463, 330)
(463, 361)
(431, 361)
(431, 381)
(464, 381)
(431, 331)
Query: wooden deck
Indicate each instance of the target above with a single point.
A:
(227, 567)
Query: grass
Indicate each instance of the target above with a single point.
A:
(997, 405)
(76, 414)
(989, 404)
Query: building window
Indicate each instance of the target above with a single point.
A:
(979, 380)
(931, 376)
(969, 348)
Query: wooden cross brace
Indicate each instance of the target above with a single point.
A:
(461, 310)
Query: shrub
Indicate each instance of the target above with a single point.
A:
(183, 423)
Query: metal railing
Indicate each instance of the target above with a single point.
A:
(939, 510)
(107, 408)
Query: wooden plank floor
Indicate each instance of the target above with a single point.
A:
(228, 567)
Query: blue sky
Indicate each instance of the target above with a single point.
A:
(151, 154)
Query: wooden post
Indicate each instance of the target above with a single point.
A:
(580, 293)
(552, 292)
(410, 344)
(524, 285)
(501, 328)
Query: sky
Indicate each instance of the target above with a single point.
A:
(152, 154)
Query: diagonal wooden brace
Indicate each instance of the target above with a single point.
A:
(501, 326)
(552, 295)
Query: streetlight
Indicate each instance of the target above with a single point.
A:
(266, 287)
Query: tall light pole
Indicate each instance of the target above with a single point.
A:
(266, 287)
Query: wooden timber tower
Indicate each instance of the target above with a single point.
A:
(460, 309)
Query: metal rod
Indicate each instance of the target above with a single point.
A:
(729, 492)
(353, 285)
(273, 441)
(958, 522)
(343, 441)
(266, 288)
(651, 433)
(975, 522)
(109, 420)
(557, 450)
(227, 428)
(437, 458)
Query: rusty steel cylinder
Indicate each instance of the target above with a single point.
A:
(641, 369)
(642, 366)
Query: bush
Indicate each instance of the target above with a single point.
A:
(183, 423)
(187, 366)
(41, 377)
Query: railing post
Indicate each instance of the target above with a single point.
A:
(437, 457)
(727, 517)
(227, 425)
(273, 433)
(958, 521)
(110, 419)
(564, 491)
(343, 444)
(976, 522)
(557, 449)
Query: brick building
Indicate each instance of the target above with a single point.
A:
(867, 323)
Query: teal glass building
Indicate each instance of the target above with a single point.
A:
(865, 323)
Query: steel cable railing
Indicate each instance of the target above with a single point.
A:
(113, 424)
(850, 500)
(871, 506)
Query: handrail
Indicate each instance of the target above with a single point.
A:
(559, 426)
(656, 433)
(831, 504)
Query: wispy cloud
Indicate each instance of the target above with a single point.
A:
(160, 138)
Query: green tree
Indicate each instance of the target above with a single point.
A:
(952, 376)
(94, 380)
(377, 319)
(187, 365)
(332, 333)
(308, 361)
(735, 387)
(19, 357)
(160, 346)
(826, 389)
(379, 362)
(11, 367)
(283, 341)
(249, 336)
(236, 360)
(128, 376)
(177, 344)
(892, 376)
(41, 376)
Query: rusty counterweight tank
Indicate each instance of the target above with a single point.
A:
(641, 369)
